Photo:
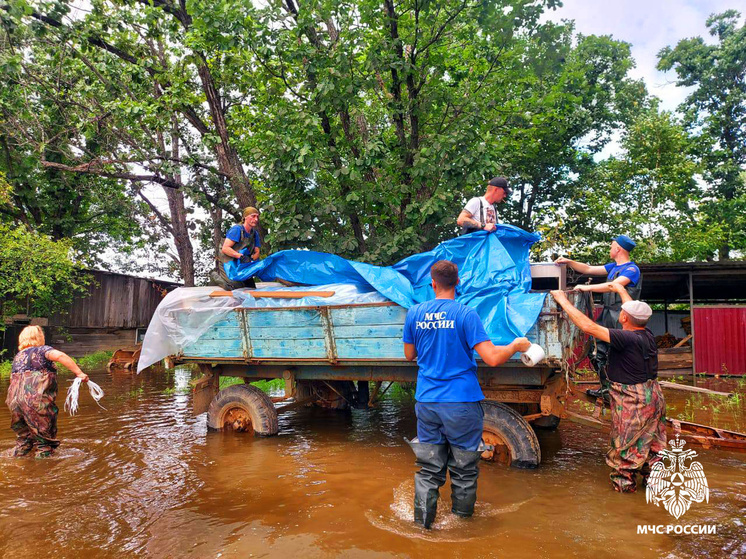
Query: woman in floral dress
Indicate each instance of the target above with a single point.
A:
(33, 390)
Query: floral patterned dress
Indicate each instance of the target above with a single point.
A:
(31, 396)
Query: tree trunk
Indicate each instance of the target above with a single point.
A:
(178, 216)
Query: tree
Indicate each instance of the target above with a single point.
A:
(715, 112)
(374, 122)
(37, 274)
(649, 191)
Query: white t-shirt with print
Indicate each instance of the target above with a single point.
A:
(488, 210)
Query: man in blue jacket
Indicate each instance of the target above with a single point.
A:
(443, 335)
(622, 271)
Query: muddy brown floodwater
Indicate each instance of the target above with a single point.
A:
(144, 478)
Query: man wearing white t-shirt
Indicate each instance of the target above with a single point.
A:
(479, 213)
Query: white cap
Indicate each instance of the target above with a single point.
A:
(637, 309)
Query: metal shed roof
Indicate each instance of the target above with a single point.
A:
(713, 281)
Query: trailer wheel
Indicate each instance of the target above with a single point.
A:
(514, 440)
(243, 408)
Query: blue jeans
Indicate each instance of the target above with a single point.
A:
(458, 423)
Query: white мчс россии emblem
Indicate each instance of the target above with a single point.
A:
(677, 486)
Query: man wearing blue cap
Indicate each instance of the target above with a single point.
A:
(622, 271)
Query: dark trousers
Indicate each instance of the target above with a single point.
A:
(458, 423)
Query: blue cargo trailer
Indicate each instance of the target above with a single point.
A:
(329, 356)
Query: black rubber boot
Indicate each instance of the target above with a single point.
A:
(464, 470)
(432, 460)
(603, 390)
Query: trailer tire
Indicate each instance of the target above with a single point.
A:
(510, 429)
(243, 408)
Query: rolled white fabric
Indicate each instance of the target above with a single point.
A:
(533, 355)
(71, 401)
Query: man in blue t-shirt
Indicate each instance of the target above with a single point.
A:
(443, 335)
(622, 271)
(242, 243)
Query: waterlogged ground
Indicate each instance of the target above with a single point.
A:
(144, 478)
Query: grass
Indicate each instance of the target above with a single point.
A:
(87, 362)
(264, 385)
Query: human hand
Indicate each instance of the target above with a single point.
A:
(558, 295)
(562, 260)
(245, 259)
(580, 288)
(616, 287)
(490, 227)
(521, 344)
(83, 377)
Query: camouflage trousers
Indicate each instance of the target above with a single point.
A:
(33, 413)
(638, 432)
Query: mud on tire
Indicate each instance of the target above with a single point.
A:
(243, 407)
(515, 432)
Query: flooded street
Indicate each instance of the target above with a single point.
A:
(144, 478)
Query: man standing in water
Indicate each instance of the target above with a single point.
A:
(622, 271)
(443, 335)
(239, 237)
(638, 431)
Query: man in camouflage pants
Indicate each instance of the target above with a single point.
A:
(637, 406)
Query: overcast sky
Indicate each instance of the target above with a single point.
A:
(648, 26)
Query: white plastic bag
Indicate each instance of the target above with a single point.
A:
(71, 402)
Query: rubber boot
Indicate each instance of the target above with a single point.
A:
(603, 390)
(432, 460)
(464, 470)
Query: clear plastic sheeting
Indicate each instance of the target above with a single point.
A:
(167, 337)
(344, 294)
(198, 313)
(494, 272)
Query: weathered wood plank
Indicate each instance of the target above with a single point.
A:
(288, 333)
(299, 349)
(369, 331)
(353, 316)
(224, 333)
(213, 348)
(370, 348)
(282, 318)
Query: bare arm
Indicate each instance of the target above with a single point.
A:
(465, 218)
(64, 359)
(579, 319)
(255, 253)
(228, 250)
(494, 355)
(582, 268)
(618, 287)
(410, 352)
(606, 286)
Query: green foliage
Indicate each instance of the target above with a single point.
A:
(264, 385)
(91, 362)
(648, 192)
(36, 273)
(360, 128)
(5, 368)
(715, 112)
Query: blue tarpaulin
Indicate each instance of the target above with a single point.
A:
(494, 272)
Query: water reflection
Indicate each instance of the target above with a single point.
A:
(145, 478)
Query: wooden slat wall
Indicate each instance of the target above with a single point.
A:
(114, 301)
(78, 342)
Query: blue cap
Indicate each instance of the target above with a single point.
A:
(625, 242)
